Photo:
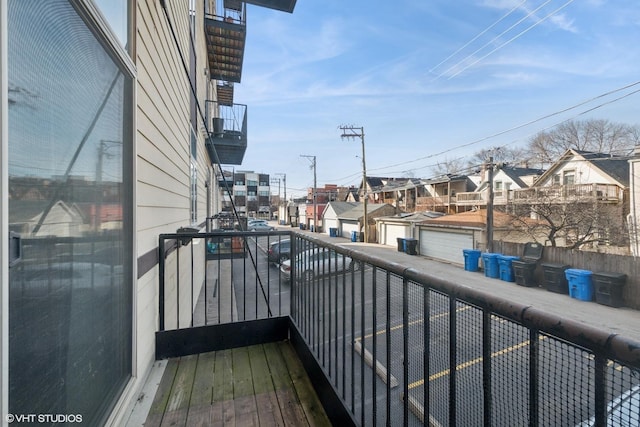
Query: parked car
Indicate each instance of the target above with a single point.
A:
(623, 411)
(317, 262)
(259, 225)
(279, 251)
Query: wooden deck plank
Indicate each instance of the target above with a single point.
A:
(263, 385)
(243, 394)
(314, 412)
(178, 404)
(222, 410)
(159, 405)
(200, 406)
(267, 402)
(288, 401)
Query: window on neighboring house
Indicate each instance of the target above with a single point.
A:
(264, 184)
(263, 193)
(252, 183)
(239, 182)
(569, 177)
(497, 185)
(251, 193)
(556, 179)
(240, 193)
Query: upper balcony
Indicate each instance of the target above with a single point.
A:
(607, 193)
(282, 5)
(225, 34)
(227, 126)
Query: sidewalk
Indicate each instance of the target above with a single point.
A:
(622, 321)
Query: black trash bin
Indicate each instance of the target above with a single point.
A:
(524, 269)
(411, 246)
(400, 244)
(608, 288)
(554, 278)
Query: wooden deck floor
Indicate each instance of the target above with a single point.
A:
(262, 385)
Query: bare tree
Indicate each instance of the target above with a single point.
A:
(509, 155)
(449, 166)
(599, 136)
(570, 224)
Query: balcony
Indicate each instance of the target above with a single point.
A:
(473, 198)
(585, 193)
(225, 34)
(282, 5)
(380, 343)
(436, 203)
(227, 126)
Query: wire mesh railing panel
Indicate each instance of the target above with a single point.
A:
(509, 367)
(468, 366)
(565, 382)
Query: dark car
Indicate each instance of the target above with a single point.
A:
(279, 251)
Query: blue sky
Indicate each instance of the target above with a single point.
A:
(429, 80)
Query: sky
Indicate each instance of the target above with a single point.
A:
(430, 81)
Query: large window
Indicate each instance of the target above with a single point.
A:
(70, 145)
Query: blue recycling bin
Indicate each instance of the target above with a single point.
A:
(333, 232)
(490, 265)
(580, 284)
(354, 236)
(471, 258)
(506, 267)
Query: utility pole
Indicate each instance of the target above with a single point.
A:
(286, 209)
(490, 207)
(273, 181)
(358, 132)
(315, 186)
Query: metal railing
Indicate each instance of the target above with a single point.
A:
(401, 347)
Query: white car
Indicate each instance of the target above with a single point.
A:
(259, 225)
(317, 262)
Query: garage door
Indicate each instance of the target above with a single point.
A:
(329, 223)
(348, 227)
(445, 245)
(390, 233)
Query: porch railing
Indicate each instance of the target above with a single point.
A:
(401, 347)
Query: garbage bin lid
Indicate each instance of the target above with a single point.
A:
(532, 251)
(610, 275)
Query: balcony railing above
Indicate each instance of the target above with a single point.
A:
(226, 33)
(569, 193)
(227, 126)
(282, 5)
(475, 198)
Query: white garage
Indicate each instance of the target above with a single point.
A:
(389, 233)
(347, 227)
(445, 244)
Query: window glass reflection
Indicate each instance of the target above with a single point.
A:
(70, 293)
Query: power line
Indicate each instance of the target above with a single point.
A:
(476, 37)
(514, 38)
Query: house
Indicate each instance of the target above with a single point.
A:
(403, 193)
(506, 179)
(594, 190)
(442, 193)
